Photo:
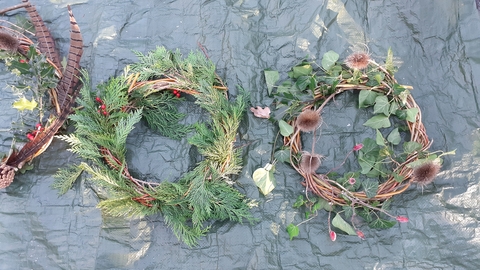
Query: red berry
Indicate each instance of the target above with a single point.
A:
(105, 113)
(175, 92)
(30, 136)
(99, 111)
(38, 125)
(103, 107)
(98, 99)
(22, 61)
(178, 95)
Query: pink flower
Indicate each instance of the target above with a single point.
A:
(358, 147)
(333, 236)
(352, 181)
(402, 219)
(360, 235)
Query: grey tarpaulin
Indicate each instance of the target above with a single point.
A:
(436, 44)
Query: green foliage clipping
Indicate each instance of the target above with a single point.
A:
(202, 194)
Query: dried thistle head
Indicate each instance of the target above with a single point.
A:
(309, 163)
(357, 60)
(8, 42)
(308, 120)
(425, 174)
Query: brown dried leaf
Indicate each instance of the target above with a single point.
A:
(261, 112)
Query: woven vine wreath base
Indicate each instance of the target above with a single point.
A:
(333, 192)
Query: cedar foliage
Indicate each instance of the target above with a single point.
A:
(201, 195)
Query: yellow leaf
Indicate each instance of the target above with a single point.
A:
(24, 104)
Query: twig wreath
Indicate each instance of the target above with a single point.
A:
(385, 166)
(39, 71)
(150, 89)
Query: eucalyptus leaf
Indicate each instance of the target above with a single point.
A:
(341, 224)
(271, 77)
(329, 59)
(394, 137)
(370, 187)
(285, 129)
(264, 179)
(378, 121)
(292, 231)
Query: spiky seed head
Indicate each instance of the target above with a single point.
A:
(8, 42)
(310, 163)
(425, 174)
(357, 60)
(308, 120)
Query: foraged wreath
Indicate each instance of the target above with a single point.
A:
(151, 89)
(386, 167)
(38, 70)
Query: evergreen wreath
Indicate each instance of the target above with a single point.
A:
(150, 89)
(385, 166)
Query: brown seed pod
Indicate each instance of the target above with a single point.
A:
(308, 120)
(425, 174)
(357, 60)
(309, 163)
(8, 42)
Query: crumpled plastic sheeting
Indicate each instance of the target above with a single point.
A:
(436, 45)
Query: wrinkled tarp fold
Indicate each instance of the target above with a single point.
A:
(436, 45)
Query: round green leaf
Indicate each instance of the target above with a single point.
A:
(264, 179)
(285, 129)
(292, 231)
(329, 59)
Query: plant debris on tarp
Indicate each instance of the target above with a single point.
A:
(436, 45)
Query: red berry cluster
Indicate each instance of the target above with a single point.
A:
(31, 135)
(176, 93)
(102, 108)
